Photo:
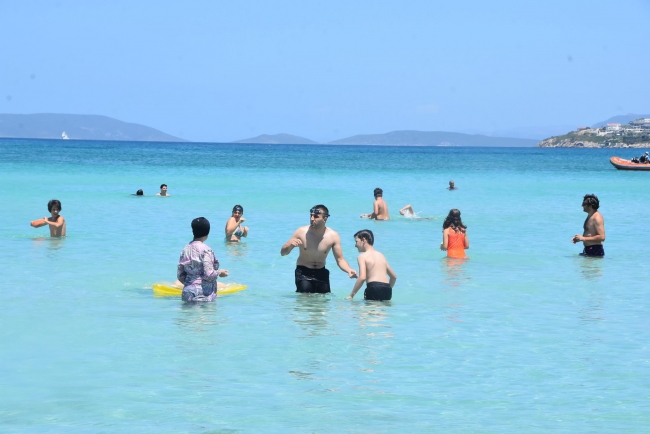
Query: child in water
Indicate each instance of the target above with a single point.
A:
(56, 221)
(373, 268)
(198, 269)
(454, 235)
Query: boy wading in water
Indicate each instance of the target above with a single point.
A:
(593, 234)
(380, 207)
(56, 222)
(373, 268)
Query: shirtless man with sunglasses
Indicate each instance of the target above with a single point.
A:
(315, 242)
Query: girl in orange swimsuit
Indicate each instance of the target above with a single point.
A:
(454, 235)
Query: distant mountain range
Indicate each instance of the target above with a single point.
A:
(433, 138)
(94, 127)
(400, 138)
(278, 139)
(82, 127)
(622, 119)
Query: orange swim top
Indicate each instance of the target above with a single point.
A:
(456, 245)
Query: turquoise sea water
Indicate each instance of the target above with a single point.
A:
(526, 335)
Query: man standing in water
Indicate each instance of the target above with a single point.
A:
(314, 242)
(593, 234)
(380, 211)
(452, 186)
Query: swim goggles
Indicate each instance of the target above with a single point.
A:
(317, 211)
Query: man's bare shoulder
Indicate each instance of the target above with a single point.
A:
(331, 233)
(302, 230)
(597, 217)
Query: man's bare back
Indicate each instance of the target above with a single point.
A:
(376, 266)
(373, 269)
(381, 209)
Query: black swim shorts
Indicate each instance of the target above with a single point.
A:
(312, 279)
(595, 250)
(378, 291)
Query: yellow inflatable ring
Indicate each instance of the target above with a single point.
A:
(167, 289)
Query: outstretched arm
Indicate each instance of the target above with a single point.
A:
(360, 279)
(340, 260)
(445, 240)
(391, 275)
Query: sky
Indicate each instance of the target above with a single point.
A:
(220, 71)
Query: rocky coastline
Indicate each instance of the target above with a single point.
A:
(577, 142)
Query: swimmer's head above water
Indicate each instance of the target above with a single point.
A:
(591, 200)
(238, 209)
(54, 204)
(200, 227)
(379, 192)
(139, 193)
(454, 221)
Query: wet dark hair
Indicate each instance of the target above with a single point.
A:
(323, 208)
(379, 192)
(238, 208)
(200, 227)
(53, 203)
(454, 221)
(163, 185)
(591, 200)
(139, 193)
(366, 234)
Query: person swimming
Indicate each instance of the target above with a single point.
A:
(454, 236)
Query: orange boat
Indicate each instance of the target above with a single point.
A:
(622, 164)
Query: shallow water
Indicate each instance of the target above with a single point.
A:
(526, 335)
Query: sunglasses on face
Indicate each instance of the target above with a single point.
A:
(316, 212)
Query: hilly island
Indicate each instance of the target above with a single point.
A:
(634, 134)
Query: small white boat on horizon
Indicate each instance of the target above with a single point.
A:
(64, 136)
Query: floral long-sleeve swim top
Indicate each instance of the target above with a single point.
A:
(198, 270)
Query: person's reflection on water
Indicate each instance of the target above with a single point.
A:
(311, 312)
(456, 276)
(237, 250)
(590, 267)
(454, 271)
(196, 318)
(51, 244)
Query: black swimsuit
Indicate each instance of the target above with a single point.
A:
(312, 279)
(378, 291)
(595, 250)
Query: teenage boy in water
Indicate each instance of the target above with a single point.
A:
(314, 243)
(593, 234)
(56, 221)
(373, 268)
(380, 211)
(163, 190)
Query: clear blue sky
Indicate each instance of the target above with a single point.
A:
(222, 71)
